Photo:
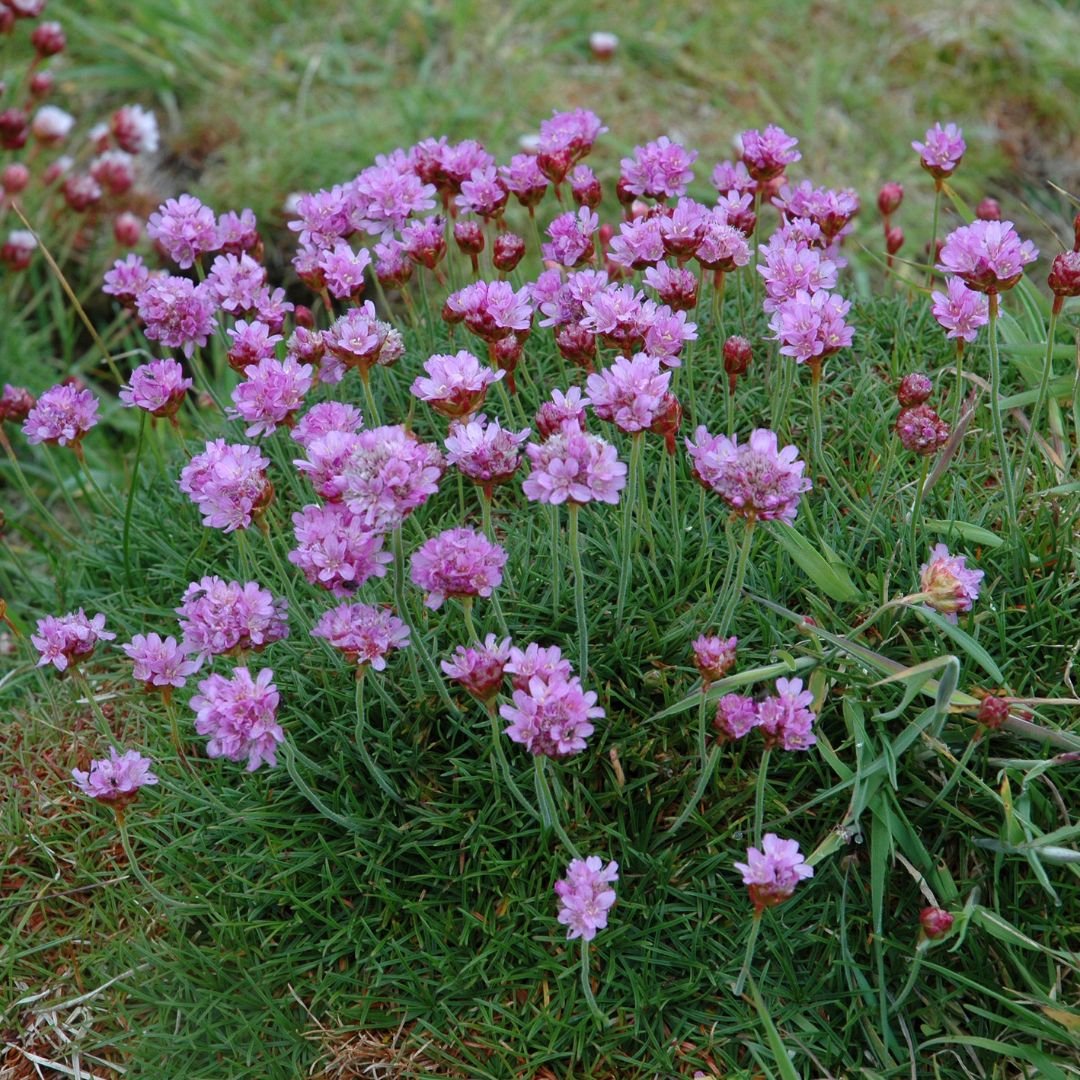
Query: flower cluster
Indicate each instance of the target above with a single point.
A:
(458, 563)
(364, 634)
(228, 483)
(772, 872)
(239, 714)
(66, 639)
(218, 617)
(117, 778)
(586, 896)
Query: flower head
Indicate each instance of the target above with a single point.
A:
(659, 169)
(325, 417)
(950, 586)
(755, 478)
(714, 656)
(479, 668)
(921, 430)
(271, 393)
(61, 416)
(941, 150)
(961, 311)
(767, 153)
(629, 393)
(811, 326)
(218, 617)
(365, 634)
(785, 719)
(455, 385)
(239, 714)
(15, 403)
(915, 389)
(573, 466)
(586, 896)
(117, 778)
(158, 387)
(551, 716)
(185, 229)
(159, 661)
(486, 452)
(65, 639)
(544, 662)
(491, 309)
(736, 716)
(571, 235)
(335, 550)
(458, 562)
(126, 279)
(988, 255)
(135, 129)
(228, 484)
(176, 313)
(524, 180)
(772, 873)
(936, 922)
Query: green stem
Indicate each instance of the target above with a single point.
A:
(579, 594)
(999, 427)
(586, 988)
(730, 396)
(369, 397)
(485, 513)
(48, 519)
(131, 498)
(748, 956)
(377, 774)
(815, 404)
(1040, 401)
(703, 725)
(916, 516)
(470, 626)
(759, 795)
(740, 576)
(933, 231)
(499, 756)
(549, 811)
(134, 864)
(959, 403)
(556, 561)
(95, 707)
(626, 536)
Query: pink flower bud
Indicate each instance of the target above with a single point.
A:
(14, 129)
(48, 38)
(41, 83)
(936, 923)
(303, 316)
(508, 251)
(1064, 279)
(894, 239)
(993, 711)
(988, 210)
(921, 430)
(576, 345)
(914, 389)
(14, 178)
(890, 197)
(127, 229)
(469, 237)
(603, 45)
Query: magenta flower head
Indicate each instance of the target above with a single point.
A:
(992, 712)
(117, 778)
(941, 150)
(988, 255)
(544, 662)
(772, 873)
(325, 417)
(523, 178)
(755, 479)
(640, 244)
(424, 241)
(185, 229)
(658, 170)
(159, 662)
(586, 896)
(921, 430)
(158, 387)
(359, 339)
(507, 251)
(811, 326)
(455, 385)
(571, 235)
(573, 466)
(135, 129)
(766, 154)
(676, 286)
(714, 656)
(219, 617)
(15, 403)
(732, 178)
(64, 640)
(176, 313)
(630, 393)
(61, 416)
(240, 716)
(736, 716)
(585, 188)
(479, 669)
(126, 279)
(228, 484)
(484, 451)
(342, 269)
(566, 138)
(935, 922)
(491, 309)
(460, 563)
(365, 634)
(785, 718)
(270, 395)
(914, 389)
(947, 584)
(960, 311)
(483, 194)
(552, 716)
(562, 407)
(336, 550)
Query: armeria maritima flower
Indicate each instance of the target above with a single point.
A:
(736, 716)
(960, 311)
(766, 153)
(159, 661)
(755, 478)
(184, 228)
(454, 385)
(988, 255)
(785, 718)
(485, 451)
(218, 616)
(365, 634)
(61, 416)
(239, 714)
(65, 639)
(658, 170)
(586, 896)
(949, 585)
(811, 326)
(629, 393)
(915, 389)
(335, 549)
(551, 716)
(544, 662)
(459, 563)
(479, 668)
(117, 778)
(936, 922)
(921, 430)
(714, 656)
(228, 484)
(573, 466)
(325, 417)
(772, 873)
(941, 150)
(270, 394)
(158, 387)
(176, 313)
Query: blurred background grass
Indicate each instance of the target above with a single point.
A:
(268, 96)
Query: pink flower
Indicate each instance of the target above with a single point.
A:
(732, 176)
(915, 388)
(386, 194)
(936, 923)
(616, 314)
(537, 662)
(484, 451)
(158, 387)
(988, 255)
(492, 309)
(363, 633)
(571, 237)
(767, 153)
(483, 193)
(785, 720)
(359, 339)
(240, 716)
(736, 716)
(553, 414)
(455, 385)
(563, 302)
(754, 479)
(185, 229)
(829, 210)
(791, 267)
(218, 617)
(722, 247)
(714, 656)
(228, 484)
(551, 716)
(811, 326)
(335, 549)
(683, 228)
(666, 332)
(61, 416)
(66, 639)
(950, 586)
(479, 669)
(271, 393)
(961, 311)
(658, 170)
(116, 778)
(323, 217)
(586, 896)
(676, 286)
(325, 417)
(921, 430)
(772, 873)
(252, 342)
(942, 150)
(458, 563)
(425, 241)
(237, 233)
(630, 393)
(159, 661)
(15, 403)
(571, 133)
(585, 188)
(572, 465)
(343, 269)
(177, 313)
(640, 243)
(135, 129)
(523, 178)
(126, 279)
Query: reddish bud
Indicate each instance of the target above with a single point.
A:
(469, 237)
(894, 239)
(936, 923)
(668, 421)
(586, 192)
(14, 178)
(7, 20)
(737, 357)
(81, 192)
(507, 252)
(625, 196)
(302, 316)
(993, 711)
(576, 345)
(603, 45)
(921, 430)
(41, 83)
(1064, 278)
(48, 38)
(15, 404)
(890, 197)
(988, 210)
(914, 389)
(1076, 233)
(14, 129)
(127, 229)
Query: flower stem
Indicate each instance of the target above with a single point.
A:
(626, 536)
(549, 812)
(377, 774)
(916, 516)
(485, 513)
(369, 397)
(999, 428)
(579, 594)
(703, 725)
(499, 756)
(748, 957)
(740, 576)
(1040, 401)
(933, 231)
(759, 795)
(134, 864)
(470, 626)
(815, 404)
(959, 403)
(556, 568)
(586, 987)
(131, 498)
(48, 519)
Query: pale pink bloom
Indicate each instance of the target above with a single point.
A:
(772, 873)
(61, 416)
(228, 483)
(455, 385)
(768, 152)
(659, 169)
(586, 896)
(736, 716)
(65, 639)
(336, 550)
(271, 393)
(551, 716)
(159, 661)
(176, 313)
(486, 452)
(960, 311)
(785, 719)
(950, 585)
(714, 656)
(479, 668)
(457, 563)
(365, 634)
(544, 662)
(629, 393)
(116, 778)
(218, 617)
(325, 417)
(988, 255)
(240, 716)
(184, 228)
(941, 150)
(574, 466)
